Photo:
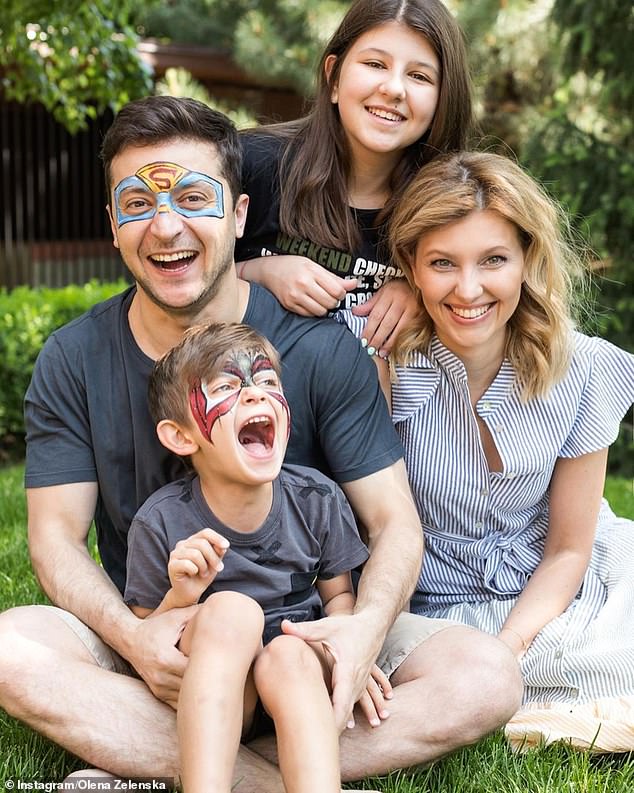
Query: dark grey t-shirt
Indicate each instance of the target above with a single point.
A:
(309, 534)
(87, 418)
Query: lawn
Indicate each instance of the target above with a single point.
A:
(489, 767)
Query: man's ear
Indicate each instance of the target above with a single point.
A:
(329, 65)
(240, 213)
(113, 227)
(175, 438)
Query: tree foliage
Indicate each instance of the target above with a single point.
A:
(75, 57)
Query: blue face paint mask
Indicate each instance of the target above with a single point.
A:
(167, 187)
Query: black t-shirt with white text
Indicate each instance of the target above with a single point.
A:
(263, 236)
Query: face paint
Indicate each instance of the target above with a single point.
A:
(240, 370)
(167, 187)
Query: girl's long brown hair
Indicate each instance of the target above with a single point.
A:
(316, 163)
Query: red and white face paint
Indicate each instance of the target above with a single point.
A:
(209, 401)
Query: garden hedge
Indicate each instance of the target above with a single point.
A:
(27, 317)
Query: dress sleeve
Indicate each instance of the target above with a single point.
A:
(345, 317)
(607, 394)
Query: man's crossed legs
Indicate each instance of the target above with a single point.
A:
(452, 685)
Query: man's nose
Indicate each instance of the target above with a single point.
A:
(166, 223)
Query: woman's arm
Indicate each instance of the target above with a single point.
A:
(576, 488)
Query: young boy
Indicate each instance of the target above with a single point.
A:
(254, 545)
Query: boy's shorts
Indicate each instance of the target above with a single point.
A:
(408, 632)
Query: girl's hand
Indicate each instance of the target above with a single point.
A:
(301, 285)
(372, 701)
(389, 310)
(194, 563)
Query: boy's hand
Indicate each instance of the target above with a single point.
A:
(194, 563)
(372, 701)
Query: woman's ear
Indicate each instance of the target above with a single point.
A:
(175, 438)
(329, 65)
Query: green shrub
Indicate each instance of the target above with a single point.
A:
(27, 317)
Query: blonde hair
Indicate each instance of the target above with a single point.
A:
(539, 339)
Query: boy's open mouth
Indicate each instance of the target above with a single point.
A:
(257, 435)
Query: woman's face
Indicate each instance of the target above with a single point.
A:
(387, 90)
(470, 276)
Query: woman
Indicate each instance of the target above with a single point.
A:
(393, 91)
(506, 414)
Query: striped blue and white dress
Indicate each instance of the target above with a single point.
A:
(485, 531)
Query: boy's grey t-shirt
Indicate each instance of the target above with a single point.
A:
(87, 418)
(309, 534)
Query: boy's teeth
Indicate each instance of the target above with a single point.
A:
(470, 313)
(258, 419)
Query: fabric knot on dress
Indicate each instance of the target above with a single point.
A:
(508, 563)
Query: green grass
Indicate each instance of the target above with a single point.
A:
(489, 767)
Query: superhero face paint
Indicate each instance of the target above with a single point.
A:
(167, 187)
(247, 394)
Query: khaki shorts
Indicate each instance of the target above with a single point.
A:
(408, 632)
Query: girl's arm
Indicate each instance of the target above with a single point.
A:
(576, 488)
(300, 284)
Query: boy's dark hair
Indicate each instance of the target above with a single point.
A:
(199, 356)
(161, 119)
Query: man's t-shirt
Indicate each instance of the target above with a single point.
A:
(87, 418)
(263, 237)
(309, 534)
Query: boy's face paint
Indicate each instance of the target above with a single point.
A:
(209, 401)
(167, 187)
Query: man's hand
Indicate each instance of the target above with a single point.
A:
(155, 656)
(354, 646)
(389, 310)
(193, 565)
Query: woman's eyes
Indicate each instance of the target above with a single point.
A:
(495, 261)
(442, 264)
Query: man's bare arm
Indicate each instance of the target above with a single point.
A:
(385, 507)
(59, 518)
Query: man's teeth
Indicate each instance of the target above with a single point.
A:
(385, 114)
(470, 313)
(173, 257)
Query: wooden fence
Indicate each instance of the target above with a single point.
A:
(54, 229)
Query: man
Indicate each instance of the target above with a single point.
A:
(173, 175)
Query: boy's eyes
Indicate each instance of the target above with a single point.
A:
(270, 381)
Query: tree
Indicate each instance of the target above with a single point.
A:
(75, 57)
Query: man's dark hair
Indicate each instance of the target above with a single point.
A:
(160, 119)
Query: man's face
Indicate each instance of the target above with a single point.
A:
(173, 219)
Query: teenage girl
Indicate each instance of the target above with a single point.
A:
(393, 91)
